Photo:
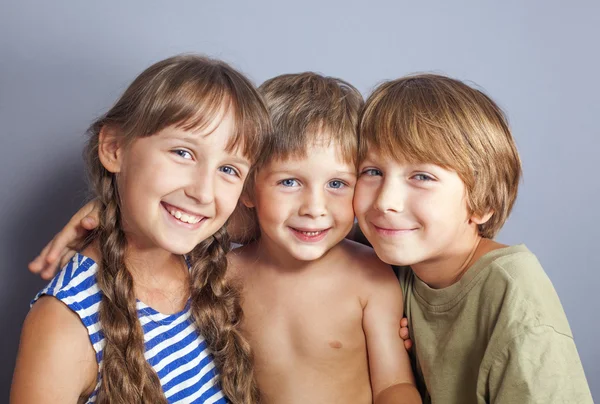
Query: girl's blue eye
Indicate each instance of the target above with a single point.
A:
(228, 170)
(336, 184)
(372, 172)
(289, 182)
(183, 153)
(422, 177)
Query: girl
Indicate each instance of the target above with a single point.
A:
(129, 320)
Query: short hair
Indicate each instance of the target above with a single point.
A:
(435, 119)
(308, 108)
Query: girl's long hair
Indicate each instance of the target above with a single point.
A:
(188, 91)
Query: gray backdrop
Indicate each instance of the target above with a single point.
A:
(62, 63)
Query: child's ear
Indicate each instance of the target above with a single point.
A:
(246, 200)
(110, 149)
(481, 218)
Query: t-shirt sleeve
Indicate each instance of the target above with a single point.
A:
(539, 366)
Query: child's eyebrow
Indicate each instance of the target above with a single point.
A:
(367, 160)
(188, 139)
(277, 172)
(428, 166)
(353, 173)
(240, 160)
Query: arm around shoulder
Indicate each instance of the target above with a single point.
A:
(392, 380)
(539, 366)
(56, 362)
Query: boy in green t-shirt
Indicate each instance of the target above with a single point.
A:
(438, 176)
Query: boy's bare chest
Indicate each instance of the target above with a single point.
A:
(317, 323)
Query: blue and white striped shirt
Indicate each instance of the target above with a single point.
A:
(174, 349)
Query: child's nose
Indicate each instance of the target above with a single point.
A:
(202, 188)
(313, 204)
(390, 197)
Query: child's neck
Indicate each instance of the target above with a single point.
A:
(154, 265)
(161, 278)
(449, 268)
(271, 256)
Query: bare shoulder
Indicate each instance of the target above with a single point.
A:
(56, 358)
(362, 261)
(60, 325)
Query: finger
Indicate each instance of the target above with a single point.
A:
(408, 344)
(89, 223)
(89, 215)
(67, 256)
(51, 269)
(94, 208)
(404, 322)
(35, 265)
(71, 233)
(48, 272)
(55, 248)
(404, 333)
(38, 262)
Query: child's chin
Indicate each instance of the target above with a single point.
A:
(309, 255)
(180, 248)
(395, 259)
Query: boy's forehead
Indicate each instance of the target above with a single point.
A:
(376, 154)
(311, 159)
(397, 159)
(396, 155)
(327, 150)
(322, 156)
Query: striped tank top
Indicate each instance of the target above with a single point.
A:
(177, 353)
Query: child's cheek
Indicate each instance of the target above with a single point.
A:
(345, 210)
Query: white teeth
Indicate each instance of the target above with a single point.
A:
(311, 233)
(184, 217)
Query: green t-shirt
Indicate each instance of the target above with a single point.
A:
(498, 335)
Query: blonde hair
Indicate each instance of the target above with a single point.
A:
(306, 109)
(188, 91)
(429, 118)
